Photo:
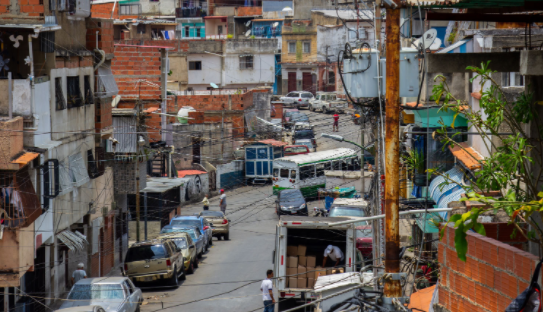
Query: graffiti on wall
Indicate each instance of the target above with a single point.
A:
(195, 187)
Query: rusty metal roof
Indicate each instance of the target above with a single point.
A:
(469, 157)
(183, 173)
(273, 142)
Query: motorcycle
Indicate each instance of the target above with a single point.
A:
(320, 212)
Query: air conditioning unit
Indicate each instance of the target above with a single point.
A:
(78, 9)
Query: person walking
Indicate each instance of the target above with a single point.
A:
(206, 203)
(222, 202)
(335, 127)
(79, 274)
(267, 292)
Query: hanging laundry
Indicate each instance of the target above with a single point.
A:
(165, 34)
(171, 34)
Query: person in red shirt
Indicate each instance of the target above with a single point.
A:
(335, 127)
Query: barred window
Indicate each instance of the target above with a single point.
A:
(307, 47)
(59, 95)
(307, 172)
(197, 65)
(74, 92)
(292, 47)
(246, 62)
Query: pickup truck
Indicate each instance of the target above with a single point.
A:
(327, 103)
(315, 234)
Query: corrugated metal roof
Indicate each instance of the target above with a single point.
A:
(349, 15)
(73, 240)
(161, 185)
(125, 132)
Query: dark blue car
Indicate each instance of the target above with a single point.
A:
(200, 222)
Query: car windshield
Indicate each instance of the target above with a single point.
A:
(180, 242)
(348, 212)
(296, 149)
(306, 143)
(147, 252)
(192, 233)
(197, 223)
(364, 232)
(96, 292)
(291, 195)
(289, 114)
(304, 134)
(212, 214)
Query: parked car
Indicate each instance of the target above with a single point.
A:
(194, 233)
(188, 249)
(297, 99)
(291, 150)
(307, 143)
(201, 223)
(113, 294)
(348, 212)
(327, 102)
(293, 117)
(89, 308)
(290, 202)
(155, 260)
(305, 134)
(364, 240)
(219, 223)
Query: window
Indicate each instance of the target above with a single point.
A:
(141, 28)
(513, 79)
(51, 184)
(307, 172)
(293, 174)
(277, 152)
(284, 173)
(262, 153)
(336, 165)
(198, 32)
(307, 95)
(307, 46)
(78, 170)
(246, 62)
(187, 31)
(195, 65)
(294, 95)
(292, 47)
(89, 99)
(275, 173)
(331, 79)
(320, 170)
(74, 92)
(59, 95)
(219, 30)
(251, 153)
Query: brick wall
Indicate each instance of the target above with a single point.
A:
(494, 273)
(248, 11)
(26, 8)
(105, 34)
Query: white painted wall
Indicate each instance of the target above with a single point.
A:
(262, 72)
(211, 70)
(162, 7)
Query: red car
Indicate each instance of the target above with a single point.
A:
(364, 240)
(296, 150)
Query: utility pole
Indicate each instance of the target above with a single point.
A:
(136, 163)
(393, 288)
(363, 152)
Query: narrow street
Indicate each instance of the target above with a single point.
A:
(230, 273)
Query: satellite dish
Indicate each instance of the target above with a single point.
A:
(214, 85)
(287, 9)
(275, 24)
(248, 23)
(436, 45)
(429, 37)
(115, 101)
(248, 33)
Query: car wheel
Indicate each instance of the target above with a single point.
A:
(219, 237)
(184, 273)
(227, 236)
(175, 279)
(200, 255)
(324, 110)
(195, 263)
(191, 267)
(211, 241)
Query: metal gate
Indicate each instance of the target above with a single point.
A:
(291, 82)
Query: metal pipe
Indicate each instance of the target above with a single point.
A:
(460, 133)
(393, 288)
(10, 95)
(137, 169)
(382, 216)
(145, 213)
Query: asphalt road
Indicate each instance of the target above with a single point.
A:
(230, 273)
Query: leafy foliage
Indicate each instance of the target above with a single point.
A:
(509, 168)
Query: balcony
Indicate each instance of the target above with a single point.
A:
(197, 10)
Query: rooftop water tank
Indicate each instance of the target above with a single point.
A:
(183, 114)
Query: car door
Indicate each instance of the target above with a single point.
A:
(192, 251)
(134, 297)
(126, 305)
(209, 230)
(176, 256)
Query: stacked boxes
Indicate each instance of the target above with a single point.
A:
(300, 267)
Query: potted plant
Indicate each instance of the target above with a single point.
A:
(414, 161)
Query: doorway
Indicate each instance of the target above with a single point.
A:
(291, 81)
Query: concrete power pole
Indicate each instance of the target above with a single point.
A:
(136, 163)
(393, 288)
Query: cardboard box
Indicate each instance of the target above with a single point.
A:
(329, 271)
(319, 272)
(292, 282)
(311, 261)
(301, 272)
(292, 272)
(292, 262)
(302, 260)
(302, 282)
(337, 271)
(292, 250)
(310, 283)
(302, 250)
(310, 272)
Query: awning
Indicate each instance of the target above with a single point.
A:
(73, 240)
(469, 157)
(24, 159)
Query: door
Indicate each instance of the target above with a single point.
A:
(291, 82)
(196, 150)
(307, 82)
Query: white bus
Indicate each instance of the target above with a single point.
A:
(306, 172)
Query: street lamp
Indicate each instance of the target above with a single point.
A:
(364, 148)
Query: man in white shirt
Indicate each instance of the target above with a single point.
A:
(334, 253)
(222, 202)
(267, 292)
